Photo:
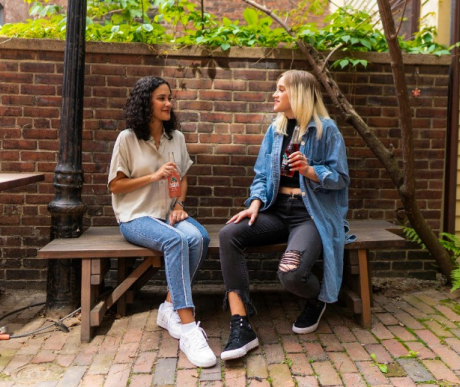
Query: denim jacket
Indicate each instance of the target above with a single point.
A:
(326, 200)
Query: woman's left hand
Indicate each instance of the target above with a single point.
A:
(298, 162)
(176, 216)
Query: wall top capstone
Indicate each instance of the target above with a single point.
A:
(201, 51)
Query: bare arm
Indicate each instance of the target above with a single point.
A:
(123, 184)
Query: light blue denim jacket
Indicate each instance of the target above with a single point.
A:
(326, 201)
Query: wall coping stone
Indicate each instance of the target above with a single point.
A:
(201, 51)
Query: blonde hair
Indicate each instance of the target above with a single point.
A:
(306, 102)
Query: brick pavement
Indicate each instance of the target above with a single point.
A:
(415, 335)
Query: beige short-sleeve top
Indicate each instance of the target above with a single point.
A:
(137, 158)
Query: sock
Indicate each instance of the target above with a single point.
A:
(186, 328)
(168, 304)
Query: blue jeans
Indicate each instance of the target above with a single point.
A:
(184, 246)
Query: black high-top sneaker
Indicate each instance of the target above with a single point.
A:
(308, 320)
(242, 338)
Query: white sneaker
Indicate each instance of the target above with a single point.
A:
(169, 319)
(195, 346)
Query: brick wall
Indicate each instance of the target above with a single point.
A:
(225, 104)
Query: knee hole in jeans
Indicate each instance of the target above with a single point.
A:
(289, 261)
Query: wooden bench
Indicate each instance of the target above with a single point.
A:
(98, 245)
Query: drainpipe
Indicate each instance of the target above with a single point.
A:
(452, 124)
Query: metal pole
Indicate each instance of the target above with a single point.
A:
(67, 209)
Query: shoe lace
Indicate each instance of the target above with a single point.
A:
(235, 330)
(199, 339)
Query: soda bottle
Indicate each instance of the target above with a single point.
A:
(291, 148)
(174, 181)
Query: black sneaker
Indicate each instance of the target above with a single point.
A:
(308, 320)
(242, 338)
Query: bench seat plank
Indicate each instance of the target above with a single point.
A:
(96, 242)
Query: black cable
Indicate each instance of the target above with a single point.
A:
(57, 323)
(21, 309)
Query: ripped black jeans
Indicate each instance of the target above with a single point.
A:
(287, 220)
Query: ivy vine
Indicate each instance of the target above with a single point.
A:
(180, 23)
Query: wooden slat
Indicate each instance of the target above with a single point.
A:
(365, 288)
(97, 242)
(371, 234)
(88, 296)
(97, 313)
(351, 300)
(102, 242)
(13, 180)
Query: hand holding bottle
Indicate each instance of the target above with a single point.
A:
(292, 147)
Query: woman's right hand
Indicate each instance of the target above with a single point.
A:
(165, 171)
(251, 213)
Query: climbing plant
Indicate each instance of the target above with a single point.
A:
(179, 22)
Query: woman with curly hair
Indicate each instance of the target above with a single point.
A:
(149, 217)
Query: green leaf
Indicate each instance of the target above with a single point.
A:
(250, 16)
(366, 43)
(225, 46)
(147, 27)
(344, 63)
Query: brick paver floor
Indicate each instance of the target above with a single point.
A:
(414, 341)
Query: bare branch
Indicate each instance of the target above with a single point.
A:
(272, 15)
(330, 54)
(402, 17)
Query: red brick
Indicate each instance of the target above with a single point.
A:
(232, 85)
(214, 95)
(38, 90)
(16, 78)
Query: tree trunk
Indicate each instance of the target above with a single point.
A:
(402, 179)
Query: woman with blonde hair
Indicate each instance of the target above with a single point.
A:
(299, 198)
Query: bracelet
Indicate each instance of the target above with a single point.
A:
(182, 204)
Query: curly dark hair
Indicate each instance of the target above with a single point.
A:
(138, 109)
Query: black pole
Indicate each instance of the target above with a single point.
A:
(67, 209)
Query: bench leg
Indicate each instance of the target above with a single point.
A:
(122, 274)
(88, 299)
(365, 289)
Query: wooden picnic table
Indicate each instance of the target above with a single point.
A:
(13, 180)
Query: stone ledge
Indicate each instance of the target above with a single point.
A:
(164, 50)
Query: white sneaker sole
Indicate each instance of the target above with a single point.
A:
(200, 363)
(239, 352)
(308, 329)
(164, 325)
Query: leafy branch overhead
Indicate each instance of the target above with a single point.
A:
(179, 22)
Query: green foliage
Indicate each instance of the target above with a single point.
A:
(450, 243)
(411, 355)
(382, 367)
(179, 22)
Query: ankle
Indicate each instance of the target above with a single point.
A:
(186, 328)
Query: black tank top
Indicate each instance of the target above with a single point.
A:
(285, 181)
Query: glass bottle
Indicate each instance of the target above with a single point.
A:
(174, 186)
(291, 148)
